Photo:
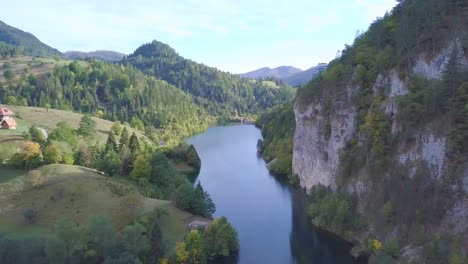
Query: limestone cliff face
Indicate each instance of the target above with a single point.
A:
(316, 155)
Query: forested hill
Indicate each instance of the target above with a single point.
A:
(113, 92)
(220, 93)
(380, 138)
(24, 41)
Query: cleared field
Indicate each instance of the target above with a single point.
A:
(47, 119)
(75, 193)
(25, 65)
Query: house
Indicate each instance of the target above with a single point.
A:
(6, 118)
(9, 124)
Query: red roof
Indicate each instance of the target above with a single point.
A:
(9, 123)
(6, 112)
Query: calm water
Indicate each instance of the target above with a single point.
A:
(270, 217)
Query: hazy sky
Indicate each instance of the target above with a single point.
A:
(234, 35)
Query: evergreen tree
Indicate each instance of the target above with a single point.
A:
(124, 137)
(87, 127)
(111, 144)
(133, 144)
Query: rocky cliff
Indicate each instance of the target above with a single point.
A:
(322, 135)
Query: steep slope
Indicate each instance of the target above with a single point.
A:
(26, 41)
(113, 92)
(220, 93)
(384, 129)
(103, 55)
(304, 77)
(278, 72)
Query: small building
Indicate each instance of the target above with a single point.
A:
(6, 118)
(9, 123)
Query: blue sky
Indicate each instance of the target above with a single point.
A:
(235, 36)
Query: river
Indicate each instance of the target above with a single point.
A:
(270, 217)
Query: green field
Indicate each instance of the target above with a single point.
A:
(25, 65)
(47, 119)
(75, 193)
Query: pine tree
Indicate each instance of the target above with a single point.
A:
(133, 144)
(123, 138)
(111, 144)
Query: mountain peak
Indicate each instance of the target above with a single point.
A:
(155, 49)
(278, 72)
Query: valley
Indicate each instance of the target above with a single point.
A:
(152, 157)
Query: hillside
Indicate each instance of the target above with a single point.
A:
(301, 78)
(219, 93)
(287, 74)
(21, 67)
(48, 119)
(78, 194)
(115, 93)
(278, 72)
(25, 41)
(103, 55)
(380, 137)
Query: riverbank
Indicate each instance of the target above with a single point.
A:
(270, 218)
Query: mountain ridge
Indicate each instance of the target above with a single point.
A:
(104, 55)
(220, 93)
(30, 44)
(278, 72)
(288, 74)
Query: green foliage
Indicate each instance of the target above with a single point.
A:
(21, 249)
(24, 41)
(194, 247)
(134, 240)
(185, 153)
(380, 257)
(111, 144)
(124, 138)
(116, 129)
(277, 128)
(458, 143)
(334, 211)
(437, 250)
(64, 133)
(141, 168)
(157, 247)
(7, 51)
(87, 127)
(133, 144)
(194, 200)
(220, 93)
(52, 154)
(110, 163)
(114, 92)
(9, 75)
(64, 243)
(221, 239)
(31, 215)
(36, 135)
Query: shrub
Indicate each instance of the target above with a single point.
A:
(31, 215)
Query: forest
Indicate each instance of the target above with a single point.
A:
(395, 41)
(219, 93)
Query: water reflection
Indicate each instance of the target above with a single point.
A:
(271, 217)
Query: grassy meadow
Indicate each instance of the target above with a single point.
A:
(76, 193)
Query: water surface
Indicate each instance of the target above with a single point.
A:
(270, 217)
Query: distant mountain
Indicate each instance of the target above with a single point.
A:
(287, 74)
(103, 55)
(220, 93)
(27, 42)
(278, 72)
(304, 77)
